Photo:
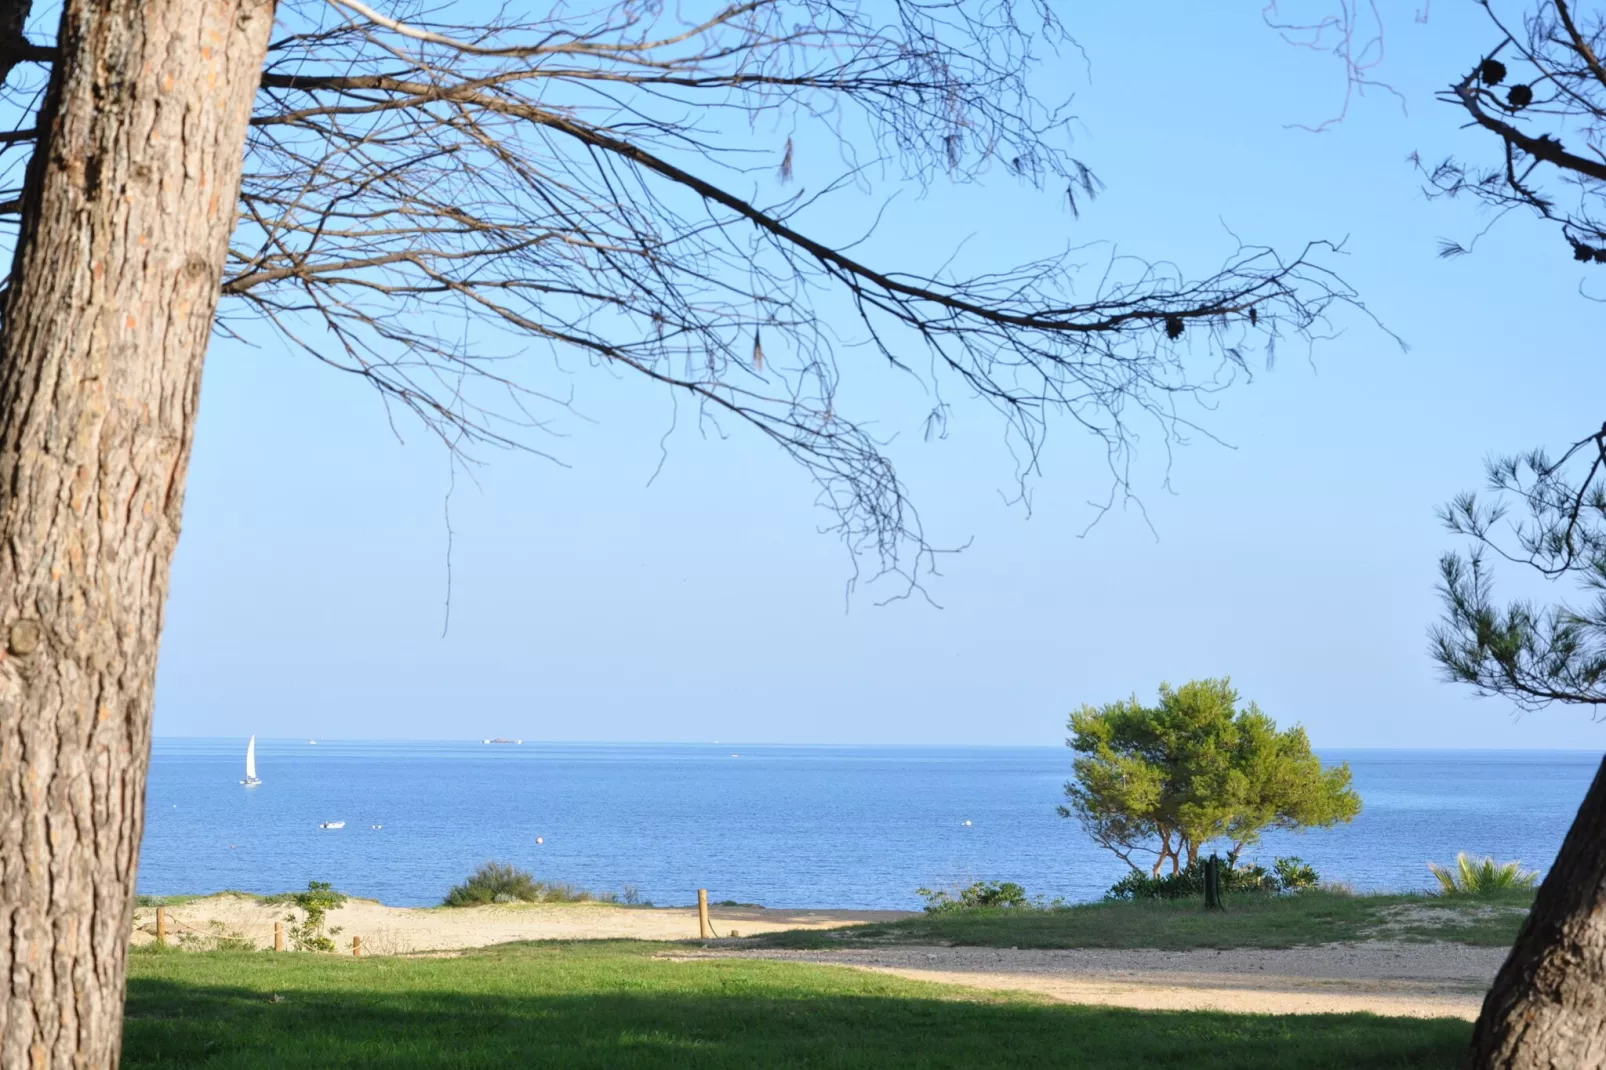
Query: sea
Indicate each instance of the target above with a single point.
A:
(782, 826)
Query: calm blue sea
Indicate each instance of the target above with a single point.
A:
(784, 826)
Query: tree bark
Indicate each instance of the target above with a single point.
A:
(1547, 1008)
(127, 209)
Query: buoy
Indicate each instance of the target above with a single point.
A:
(539, 840)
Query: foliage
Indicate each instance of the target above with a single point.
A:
(495, 882)
(1530, 654)
(1286, 875)
(1165, 780)
(574, 1006)
(979, 896)
(1482, 877)
(1314, 917)
(307, 933)
(1189, 881)
(1544, 513)
(1294, 875)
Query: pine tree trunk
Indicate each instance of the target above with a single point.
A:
(1547, 1008)
(127, 210)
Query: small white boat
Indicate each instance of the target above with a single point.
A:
(376, 826)
(251, 780)
(332, 825)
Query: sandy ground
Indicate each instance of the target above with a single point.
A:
(404, 930)
(1420, 980)
(1384, 977)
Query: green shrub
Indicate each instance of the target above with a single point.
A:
(307, 933)
(497, 883)
(1482, 877)
(1294, 875)
(1286, 875)
(1189, 881)
(981, 895)
(494, 882)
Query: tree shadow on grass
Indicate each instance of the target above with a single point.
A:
(603, 1009)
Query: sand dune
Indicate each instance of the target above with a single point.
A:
(402, 930)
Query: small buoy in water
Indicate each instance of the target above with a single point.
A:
(539, 840)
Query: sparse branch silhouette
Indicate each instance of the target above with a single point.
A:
(592, 183)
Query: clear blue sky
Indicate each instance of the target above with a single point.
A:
(308, 589)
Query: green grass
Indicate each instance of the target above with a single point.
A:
(180, 900)
(276, 899)
(1314, 917)
(616, 1005)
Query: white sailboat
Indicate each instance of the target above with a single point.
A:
(251, 780)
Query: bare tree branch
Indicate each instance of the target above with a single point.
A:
(588, 182)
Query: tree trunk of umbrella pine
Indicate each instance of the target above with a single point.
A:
(127, 209)
(1547, 1008)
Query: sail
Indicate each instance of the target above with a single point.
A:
(251, 759)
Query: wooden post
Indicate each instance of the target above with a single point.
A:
(702, 913)
(278, 936)
(161, 925)
(356, 947)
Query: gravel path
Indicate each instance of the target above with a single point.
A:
(1407, 979)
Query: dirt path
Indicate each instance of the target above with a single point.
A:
(1422, 980)
(402, 930)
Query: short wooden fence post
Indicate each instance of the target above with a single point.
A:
(702, 913)
(161, 925)
(356, 947)
(278, 936)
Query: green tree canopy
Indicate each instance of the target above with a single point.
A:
(1167, 779)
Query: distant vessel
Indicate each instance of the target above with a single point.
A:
(332, 825)
(251, 780)
(499, 739)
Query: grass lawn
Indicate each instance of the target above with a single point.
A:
(605, 1004)
(1315, 917)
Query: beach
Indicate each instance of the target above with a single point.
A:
(1422, 979)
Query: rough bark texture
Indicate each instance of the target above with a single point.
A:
(127, 211)
(1547, 1008)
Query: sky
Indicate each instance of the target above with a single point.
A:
(1297, 554)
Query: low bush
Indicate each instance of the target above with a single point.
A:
(1294, 875)
(497, 883)
(307, 933)
(979, 896)
(1286, 875)
(1482, 877)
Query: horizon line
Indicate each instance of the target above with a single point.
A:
(785, 743)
